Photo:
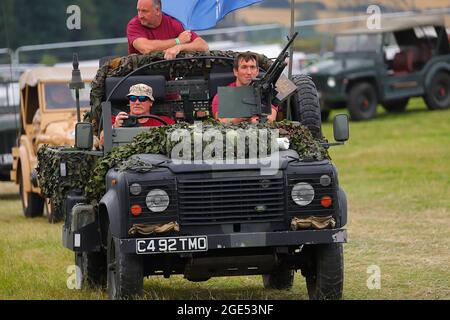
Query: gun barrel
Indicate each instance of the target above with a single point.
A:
(283, 54)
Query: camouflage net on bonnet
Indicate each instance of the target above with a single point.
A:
(121, 67)
(87, 172)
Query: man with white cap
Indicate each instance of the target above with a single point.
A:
(141, 101)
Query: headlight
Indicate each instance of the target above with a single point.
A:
(302, 193)
(157, 200)
(331, 82)
(135, 189)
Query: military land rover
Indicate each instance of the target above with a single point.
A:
(405, 58)
(47, 117)
(132, 211)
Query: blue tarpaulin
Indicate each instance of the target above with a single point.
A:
(202, 14)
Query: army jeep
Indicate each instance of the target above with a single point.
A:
(407, 57)
(47, 117)
(131, 211)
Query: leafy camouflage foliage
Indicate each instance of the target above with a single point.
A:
(78, 167)
(86, 171)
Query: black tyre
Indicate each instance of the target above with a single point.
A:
(437, 96)
(32, 203)
(125, 272)
(362, 102)
(282, 279)
(325, 272)
(396, 106)
(93, 268)
(305, 105)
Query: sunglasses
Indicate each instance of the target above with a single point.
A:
(140, 98)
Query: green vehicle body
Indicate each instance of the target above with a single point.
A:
(404, 59)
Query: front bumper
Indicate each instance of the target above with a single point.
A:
(260, 239)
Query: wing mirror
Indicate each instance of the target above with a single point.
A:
(83, 136)
(341, 128)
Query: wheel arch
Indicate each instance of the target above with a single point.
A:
(109, 213)
(371, 79)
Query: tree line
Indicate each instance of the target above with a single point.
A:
(29, 22)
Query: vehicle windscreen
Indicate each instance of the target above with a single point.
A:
(60, 96)
(358, 43)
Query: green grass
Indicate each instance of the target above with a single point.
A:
(396, 172)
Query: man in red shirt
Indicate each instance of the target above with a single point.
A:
(141, 101)
(245, 69)
(152, 30)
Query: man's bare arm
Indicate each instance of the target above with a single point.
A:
(197, 45)
(145, 46)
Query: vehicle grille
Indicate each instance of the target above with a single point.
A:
(231, 200)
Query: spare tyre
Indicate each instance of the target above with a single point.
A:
(305, 106)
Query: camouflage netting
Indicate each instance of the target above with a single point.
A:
(78, 167)
(120, 67)
(84, 172)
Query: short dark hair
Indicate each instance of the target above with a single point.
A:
(246, 56)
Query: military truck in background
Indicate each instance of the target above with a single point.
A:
(47, 116)
(405, 58)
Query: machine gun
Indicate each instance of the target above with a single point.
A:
(257, 99)
(265, 86)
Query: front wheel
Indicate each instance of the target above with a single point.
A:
(93, 268)
(125, 272)
(437, 96)
(325, 271)
(362, 103)
(281, 279)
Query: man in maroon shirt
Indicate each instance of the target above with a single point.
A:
(152, 30)
(245, 69)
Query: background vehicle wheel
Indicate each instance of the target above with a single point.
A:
(93, 268)
(398, 105)
(32, 203)
(125, 272)
(282, 279)
(438, 95)
(325, 273)
(362, 103)
(305, 105)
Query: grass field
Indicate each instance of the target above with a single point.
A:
(396, 172)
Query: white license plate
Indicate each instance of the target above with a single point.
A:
(172, 245)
